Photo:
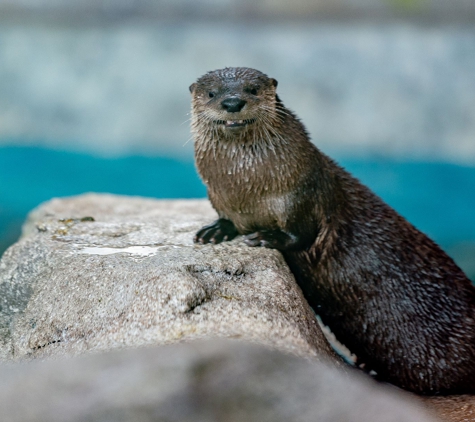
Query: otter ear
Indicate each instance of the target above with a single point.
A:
(192, 87)
(273, 82)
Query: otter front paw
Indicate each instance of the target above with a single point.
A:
(217, 232)
(274, 239)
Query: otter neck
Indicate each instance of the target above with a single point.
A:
(260, 160)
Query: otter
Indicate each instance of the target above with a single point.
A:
(387, 291)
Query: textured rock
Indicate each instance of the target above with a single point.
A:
(134, 277)
(200, 381)
(100, 272)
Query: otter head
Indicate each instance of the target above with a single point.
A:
(233, 101)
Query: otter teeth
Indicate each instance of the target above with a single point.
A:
(230, 123)
(234, 123)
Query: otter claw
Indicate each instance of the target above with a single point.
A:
(221, 230)
(274, 239)
(257, 239)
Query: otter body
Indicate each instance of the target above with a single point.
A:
(388, 292)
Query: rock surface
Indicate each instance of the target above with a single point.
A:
(200, 381)
(133, 277)
(100, 272)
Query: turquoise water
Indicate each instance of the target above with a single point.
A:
(438, 198)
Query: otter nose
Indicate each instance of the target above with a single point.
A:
(233, 104)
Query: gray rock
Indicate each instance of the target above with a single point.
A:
(200, 381)
(133, 277)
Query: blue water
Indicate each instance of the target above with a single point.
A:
(29, 176)
(438, 198)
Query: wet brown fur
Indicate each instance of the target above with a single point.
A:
(387, 291)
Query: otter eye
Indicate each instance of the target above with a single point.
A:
(253, 91)
(211, 94)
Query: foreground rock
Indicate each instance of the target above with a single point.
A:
(201, 381)
(98, 272)
(101, 272)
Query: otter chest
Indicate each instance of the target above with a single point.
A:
(247, 201)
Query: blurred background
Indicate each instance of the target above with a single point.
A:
(94, 97)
